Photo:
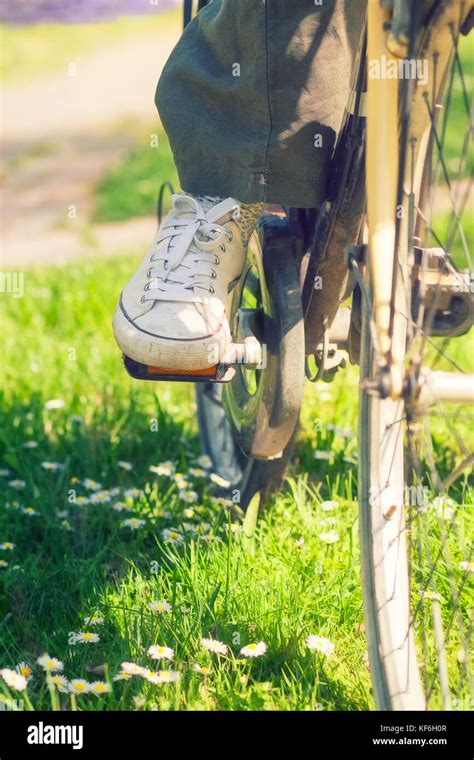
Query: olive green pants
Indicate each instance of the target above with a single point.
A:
(253, 95)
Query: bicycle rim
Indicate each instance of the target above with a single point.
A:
(414, 477)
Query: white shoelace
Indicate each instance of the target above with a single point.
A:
(186, 263)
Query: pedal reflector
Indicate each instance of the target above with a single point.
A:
(219, 373)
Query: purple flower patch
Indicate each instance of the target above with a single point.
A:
(76, 11)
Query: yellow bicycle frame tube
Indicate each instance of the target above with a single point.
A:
(382, 157)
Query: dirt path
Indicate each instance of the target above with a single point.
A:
(59, 133)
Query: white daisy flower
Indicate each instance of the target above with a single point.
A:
(91, 485)
(100, 497)
(84, 637)
(54, 403)
(13, 679)
(160, 607)
(82, 501)
(163, 676)
(445, 507)
(190, 497)
(164, 468)
(299, 542)
(320, 644)
(189, 512)
(50, 664)
(210, 538)
(432, 595)
(29, 511)
(254, 650)
(24, 670)
(60, 682)
(121, 506)
(189, 527)
(468, 567)
(197, 472)
(323, 455)
(134, 523)
(17, 484)
(139, 701)
(214, 646)
(328, 506)
(125, 465)
(158, 652)
(93, 620)
(3, 564)
(171, 535)
(132, 669)
(79, 686)
(205, 671)
(52, 466)
(122, 676)
(7, 546)
(220, 501)
(162, 513)
(330, 537)
(204, 461)
(99, 687)
(4, 473)
(349, 460)
(219, 481)
(344, 432)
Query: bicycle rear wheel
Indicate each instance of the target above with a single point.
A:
(416, 451)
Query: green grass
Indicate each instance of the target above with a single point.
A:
(131, 187)
(29, 52)
(280, 593)
(71, 560)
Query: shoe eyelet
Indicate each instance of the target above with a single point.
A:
(217, 260)
(230, 235)
(142, 299)
(222, 247)
(148, 274)
(213, 274)
(211, 289)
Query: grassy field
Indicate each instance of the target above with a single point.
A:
(29, 52)
(142, 170)
(72, 415)
(112, 540)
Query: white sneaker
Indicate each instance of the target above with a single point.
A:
(172, 313)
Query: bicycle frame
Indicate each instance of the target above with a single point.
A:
(389, 176)
(382, 171)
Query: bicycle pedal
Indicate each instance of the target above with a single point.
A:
(219, 373)
(248, 354)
